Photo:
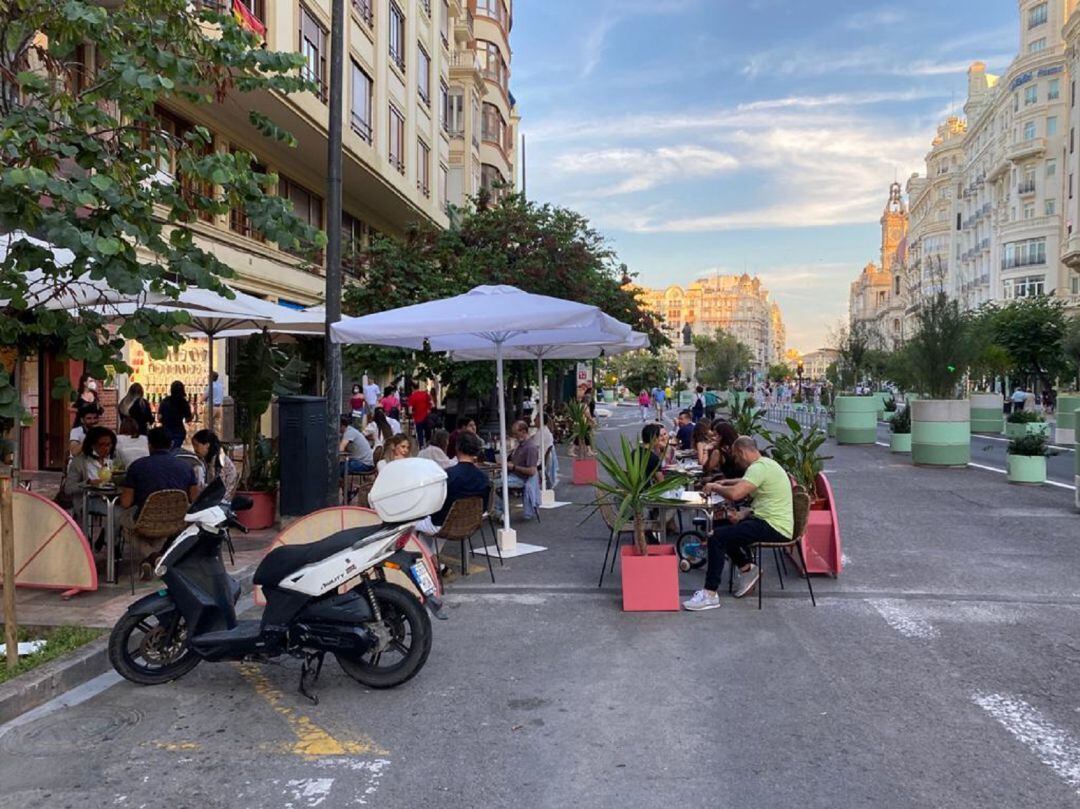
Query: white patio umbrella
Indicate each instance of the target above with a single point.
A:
(496, 318)
(592, 345)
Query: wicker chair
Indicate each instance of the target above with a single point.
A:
(800, 504)
(489, 516)
(606, 506)
(161, 518)
(465, 518)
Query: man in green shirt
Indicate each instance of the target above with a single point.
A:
(771, 519)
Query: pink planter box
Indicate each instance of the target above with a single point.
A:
(650, 582)
(586, 471)
(821, 542)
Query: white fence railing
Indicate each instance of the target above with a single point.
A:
(806, 415)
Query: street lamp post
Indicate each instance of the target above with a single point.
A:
(799, 371)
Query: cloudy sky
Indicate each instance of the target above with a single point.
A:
(731, 135)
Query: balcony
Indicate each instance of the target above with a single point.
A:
(1070, 256)
(463, 28)
(1022, 150)
(1026, 188)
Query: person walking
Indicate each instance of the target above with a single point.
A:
(175, 413)
(135, 407)
(643, 403)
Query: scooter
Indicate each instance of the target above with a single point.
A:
(327, 596)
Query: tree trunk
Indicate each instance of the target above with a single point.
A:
(639, 536)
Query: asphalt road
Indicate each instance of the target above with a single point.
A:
(939, 670)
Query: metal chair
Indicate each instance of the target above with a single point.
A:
(161, 518)
(606, 507)
(800, 504)
(465, 518)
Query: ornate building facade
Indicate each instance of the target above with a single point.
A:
(738, 304)
(876, 299)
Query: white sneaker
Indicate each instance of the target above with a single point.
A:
(702, 601)
(745, 582)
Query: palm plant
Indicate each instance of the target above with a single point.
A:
(633, 489)
(581, 424)
(797, 452)
(746, 418)
(1032, 445)
(901, 422)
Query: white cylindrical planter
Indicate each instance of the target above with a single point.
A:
(1068, 408)
(940, 432)
(987, 412)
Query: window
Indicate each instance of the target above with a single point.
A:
(313, 48)
(423, 168)
(1016, 101)
(491, 63)
(423, 75)
(1024, 287)
(1024, 253)
(397, 35)
(444, 182)
(1051, 167)
(364, 11)
(1029, 130)
(958, 219)
(1070, 185)
(353, 237)
(491, 179)
(1051, 126)
(238, 219)
(1037, 46)
(444, 24)
(455, 112)
(491, 8)
(307, 206)
(168, 142)
(476, 121)
(493, 125)
(1031, 94)
(1053, 90)
(444, 106)
(1029, 210)
(360, 113)
(397, 139)
(1050, 207)
(1037, 15)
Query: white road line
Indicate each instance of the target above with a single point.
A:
(1054, 747)
(1003, 471)
(882, 444)
(903, 619)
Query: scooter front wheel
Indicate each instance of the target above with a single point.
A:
(407, 629)
(151, 649)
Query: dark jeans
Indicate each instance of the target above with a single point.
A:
(734, 541)
(423, 431)
(356, 468)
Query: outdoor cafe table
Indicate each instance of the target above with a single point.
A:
(109, 493)
(687, 501)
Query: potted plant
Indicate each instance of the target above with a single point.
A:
(1025, 422)
(650, 573)
(746, 417)
(856, 416)
(889, 408)
(797, 452)
(585, 468)
(900, 424)
(1026, 460)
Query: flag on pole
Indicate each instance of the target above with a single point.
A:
(247, 19)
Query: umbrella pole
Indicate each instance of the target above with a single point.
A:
(210, 384)
(507, 536)
(547, 496)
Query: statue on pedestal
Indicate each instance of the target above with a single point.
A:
(687, 335)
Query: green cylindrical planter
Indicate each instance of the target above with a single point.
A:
(1029, 469)
(1068, 411)
(831, 429)
(987, 413)
(881, 396)
(940, 432)
(900, 442)
(856, 419)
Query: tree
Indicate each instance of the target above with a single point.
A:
(720, 358)
(88, 166)
(642, 370)
(853, 341)
(1070, 345)
(779, 372)
(943, 347)
(1031, 330)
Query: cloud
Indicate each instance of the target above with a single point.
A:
(641, 169)
(873, 18)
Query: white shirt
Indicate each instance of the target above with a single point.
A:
(79, 433)
(549, 439)
(372, 395)
(433, 453)
(374, 434)
(1018, 397)
(130, 449)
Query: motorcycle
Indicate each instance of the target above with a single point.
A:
(327, 596)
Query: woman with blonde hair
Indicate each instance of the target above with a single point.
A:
(396, 447)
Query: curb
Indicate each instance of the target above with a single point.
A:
(46, 682)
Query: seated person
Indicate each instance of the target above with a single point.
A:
(381, 428)
(361, 460)
(130, 443)
(463, 480)
(465, 424)
(654, 439)
(215, 462)
(158, 471)
(684, 424)
(726, 436)
(87, 416)
(398, 447)
(770, 520)
(436, 449)
(705, 444)
(522, 467)
(96, 453)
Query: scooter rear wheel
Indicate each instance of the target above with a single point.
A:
(409, 629)
(141, 650)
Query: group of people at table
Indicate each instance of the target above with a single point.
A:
(756, 491)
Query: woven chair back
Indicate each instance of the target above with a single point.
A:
(162, 514)
(463, 519)
(800, 505)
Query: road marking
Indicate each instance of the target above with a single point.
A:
(1054, 747)
(882, 444)
(901, 618)
(312, 741)
(309, 791)
(1003, 472)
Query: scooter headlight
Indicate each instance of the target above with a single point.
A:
(160, 567)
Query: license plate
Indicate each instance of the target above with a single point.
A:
(423, 578)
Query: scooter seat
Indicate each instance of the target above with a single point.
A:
(287, 559)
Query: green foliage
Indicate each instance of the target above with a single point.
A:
(745, 416)
(720, 358)
(59, 640)
(943, 347)
(779, 372)
(1032, 445)
(81, 147)
(632, 488)
(889, 405)
(581, 423)
(1032, 330)
(854, 341)
(1070, 345)
(641, 370)
(797, 452)
(1024, 417)
(900, 424)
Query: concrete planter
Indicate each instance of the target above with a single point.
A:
(1028, 428)
(881, 396)
(987, 412)
(1029, 469)
(831, 429)
(1076, 478)
(1068, 413)
(856, 419)
(940, 432)
(900, 442)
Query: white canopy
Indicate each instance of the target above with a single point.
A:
(487, 318)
